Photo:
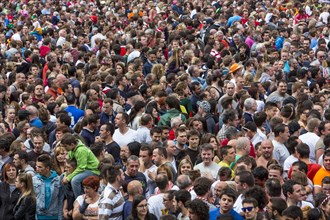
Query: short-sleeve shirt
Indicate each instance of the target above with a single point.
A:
(92, 209)
(319, 176)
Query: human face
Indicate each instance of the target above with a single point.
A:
(89, 191)
(16, 160)
(165, 133)
(68, 168)
(197, 125)
(11, 173)
(39, 90)
(18, 184)
(230, 89)
(326, 129)
(207, 156)
(274, 174)
(61, 156)
(192, 214)
(326, 189)
(142, 208)
(230, 157)
(124, 153)
(144, 155)
(171, 148)
(266, 148)
(219, 187)
(132, 168)
(326, 163)
(185, 168)
(282, 88)
(118, 120)
(42, 169)
(226, 203)
(326, 208)
(156, 158)
(193, 142)
(156, 137)
(103, 132)
(11, 114)
(296, 195)
(249, 214)
(214, 143)
(182, 137)
(239, 185)
(38, 143)
(168, 203)
(286, 134)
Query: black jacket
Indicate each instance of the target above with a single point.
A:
(25, 209)
(8, 201)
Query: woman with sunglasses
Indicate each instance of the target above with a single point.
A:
(140, 209)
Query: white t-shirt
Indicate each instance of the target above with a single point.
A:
(288, 162)
(92, 209)
(212, 169)
(156, 205)
(280, 152)
(310, 139)
(124, 139)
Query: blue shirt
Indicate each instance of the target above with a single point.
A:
(216, 213)
(36, 123)
(76, 113)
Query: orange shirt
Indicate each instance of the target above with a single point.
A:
(319, 176)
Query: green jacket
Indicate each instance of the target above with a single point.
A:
(165, 120)
(86, 160)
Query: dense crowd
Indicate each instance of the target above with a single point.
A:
(183, 109)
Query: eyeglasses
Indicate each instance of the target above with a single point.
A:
(249, 209)
(142, 206)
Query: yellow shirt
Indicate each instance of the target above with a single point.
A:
(319, 176)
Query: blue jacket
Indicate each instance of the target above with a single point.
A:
(49, 196)
(279, 43)
(216, 213)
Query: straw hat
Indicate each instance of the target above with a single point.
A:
(234, 67)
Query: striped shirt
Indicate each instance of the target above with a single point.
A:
(111, 204)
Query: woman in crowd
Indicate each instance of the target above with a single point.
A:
(59, 159)
(10, 117)
(185, 166)
(26, 205)
(86, 205)
(9, 193)
(140, 209)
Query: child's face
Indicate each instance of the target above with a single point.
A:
(69, 168)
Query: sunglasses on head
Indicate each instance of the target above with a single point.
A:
(247, 209)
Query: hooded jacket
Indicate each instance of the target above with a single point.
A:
(85, 158)
(49, 196)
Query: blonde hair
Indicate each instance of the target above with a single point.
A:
(28, 185)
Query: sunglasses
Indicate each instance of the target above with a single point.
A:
(249, 209)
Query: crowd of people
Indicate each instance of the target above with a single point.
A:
(164, 109)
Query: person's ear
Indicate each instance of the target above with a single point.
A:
(275, 213)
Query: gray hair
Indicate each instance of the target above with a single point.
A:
(248, 103)
(183, 181)
(242, 142)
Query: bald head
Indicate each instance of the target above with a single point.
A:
(134, 188)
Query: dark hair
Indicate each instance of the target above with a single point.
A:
(97, 148)
(68, 139)
(246, 177)
(260, 173)
(224, 149)
(112, 172)
(183, 196)
(200, 208)
(229, 192)
(288, 187)
(280, 128)
(294, 212)
(303, 150)
(302, 166)
(202, 185)
(258, 194)
(46, 160)
(135, 109)
(273, 187)
(134, 148)
(65, 118)
(278, 204)
(136, 201)
(250, 200)
(110, 127)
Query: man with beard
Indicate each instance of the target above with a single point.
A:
(180, 200)
(227, 199)
(148, 168)
(266, 148)
(132, 173)
(112, 201)
(280, 92)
